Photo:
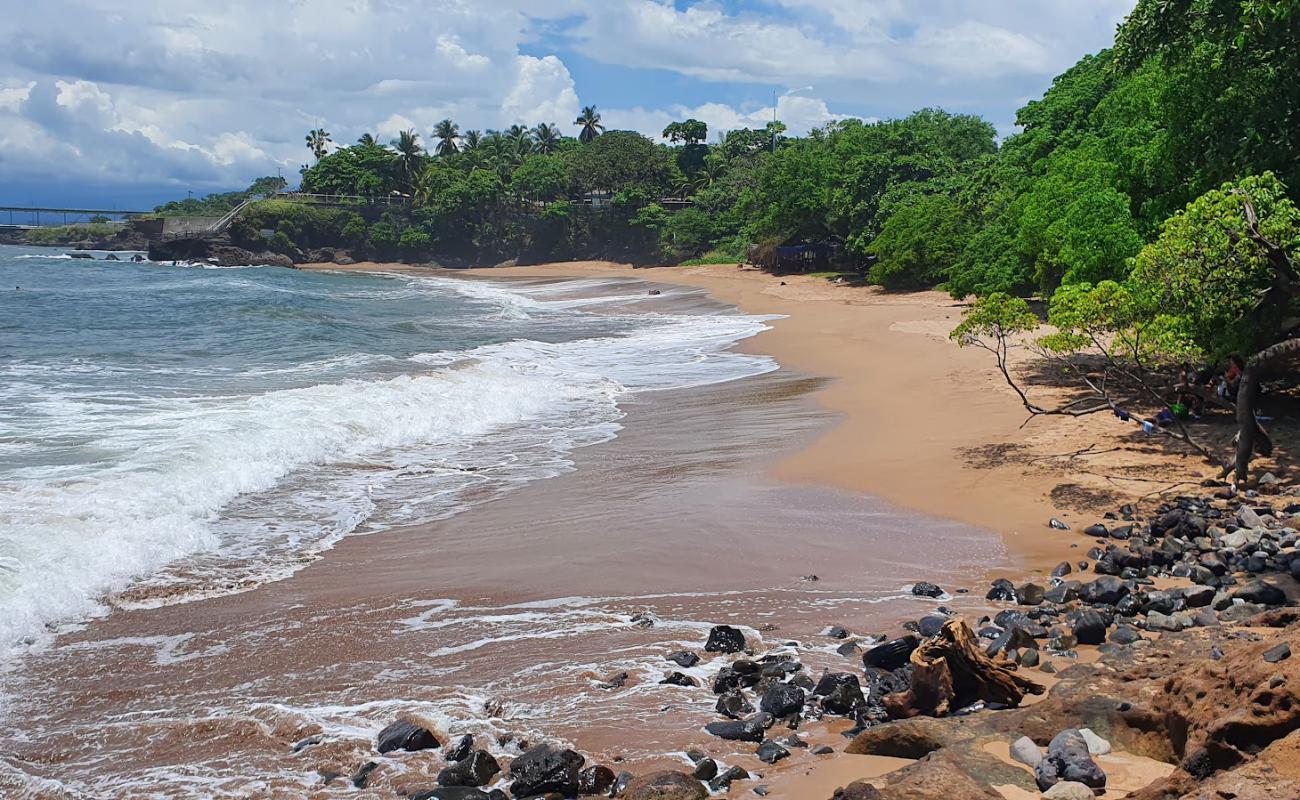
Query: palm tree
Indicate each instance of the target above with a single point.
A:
(471, 141)
(589, 122)
(367, 140)
(410, 156)
(318, 142)
(447, 132)
(519, 136)
(710, 172)
(547, 138)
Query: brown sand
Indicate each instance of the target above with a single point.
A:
(923, 424)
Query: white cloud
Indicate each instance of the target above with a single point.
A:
(201, 94)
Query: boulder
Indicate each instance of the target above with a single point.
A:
(705, 770)
(478, 769)
(734, 704)
(724, 779)
(456, 793)
(1068, 759)
(769, 752)
(1002, 589)
(725, 639)
(841, 693)
(596, 780)
(684, 659)
(924, 589)
(545, 769)
(892, 654)
(460, 749)
(1029, 594)
(782, 700)
(1260, 593)
(1069, 790)
(406, 735)
(679, 679)
(1106, 590)
(1026, 752)
(749, 729)
(664, 785)
(1089, 628)
(1097, 746)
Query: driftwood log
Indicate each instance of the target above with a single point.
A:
(950, 672)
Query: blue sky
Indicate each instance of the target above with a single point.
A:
(132, 103)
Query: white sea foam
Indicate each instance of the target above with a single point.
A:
(200, 495)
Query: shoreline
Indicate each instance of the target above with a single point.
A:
(892, 382)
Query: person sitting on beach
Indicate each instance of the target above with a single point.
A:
(1187, 402)
(1231, 380)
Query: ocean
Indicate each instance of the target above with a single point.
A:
(171, 433)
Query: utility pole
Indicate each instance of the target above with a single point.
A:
(774, 121)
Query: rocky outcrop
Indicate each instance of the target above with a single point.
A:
(665, 785)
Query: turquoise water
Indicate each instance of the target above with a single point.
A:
(173, 432)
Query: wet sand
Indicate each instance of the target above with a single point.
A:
(506, 621)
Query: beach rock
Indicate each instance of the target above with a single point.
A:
(1260, 593)
(1029, 594)
(822, 750)
(924, 589)
(679, 679)
(1197, 596)
(1279, 653)
(405, 735)
(734, 704)
(1068, 759)
(1063, 593)
(362, 776)
(1026, 752)
(684, 659)
(1062, 569)
(1002, 589)
(1057, 524)
(1240, 612)
(1097, 746)
(545, 769)
(1106, 590)
(1089, 628)
(724, 780)
(460, 749)
(838, 632)
(596, 780)
(725, 639)
(1029, 658)
(664, 785)
(1125, 634)
(930, 625)
(858, 790)
(769, 752)
(847, 649)
(750, 729)
(457, 793)
(841, 693)
(1069, 790)
(705, 770)
(1097, 531)
(478, 769)
(892, 654)
(782, 701)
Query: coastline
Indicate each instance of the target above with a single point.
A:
(919, 421)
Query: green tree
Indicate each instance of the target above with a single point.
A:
(318, 142)
(447, 133)
(622, 160)
(540, 177)
(691, 131)
(546, 138)
(588, 123)
(410, 158)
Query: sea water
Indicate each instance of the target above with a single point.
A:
(169, 433)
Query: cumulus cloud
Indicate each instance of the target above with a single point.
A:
(202, 95)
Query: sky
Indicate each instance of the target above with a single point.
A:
(126, 103)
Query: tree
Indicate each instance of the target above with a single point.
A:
(622, 160)
(410, 158)
(367, 140)
(540, 177)
(1222, 277)
(266, 186)
(447, 133)
(318, 142)
(692, 131)
(546, 138)
(589, 125)
(470, 141)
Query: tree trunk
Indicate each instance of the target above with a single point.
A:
(950, 672)
(1247, 395)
